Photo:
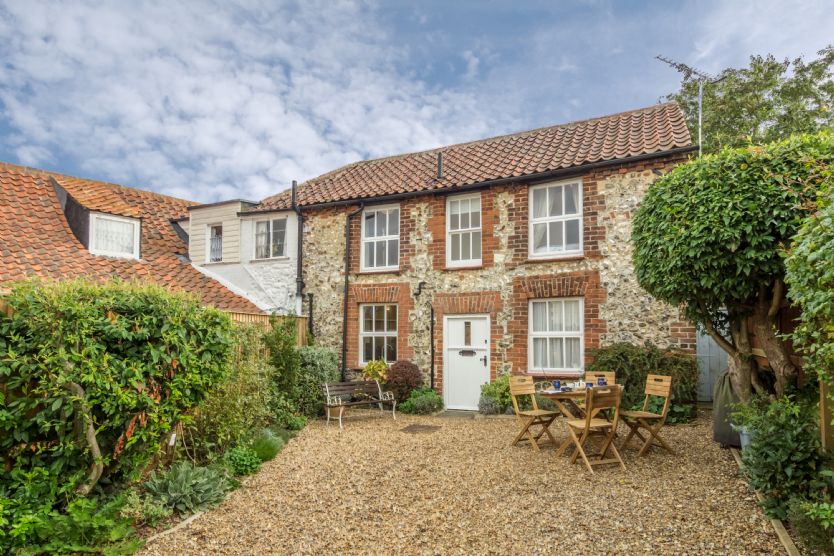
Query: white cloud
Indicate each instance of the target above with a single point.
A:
(211, 100)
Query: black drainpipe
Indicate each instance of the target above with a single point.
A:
(347, 279)
(299, 253)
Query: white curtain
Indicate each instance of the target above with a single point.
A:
(114, 236)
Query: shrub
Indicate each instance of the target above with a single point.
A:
(403, 378)
(499, 391)
(487, 405)
(284, 358)
(143, 510)
(243, 460)
(84, 527)
(185, 488)
(117, 362)
(375, 370)
(813, 524)
(318, 365)
(286, 416)
(633, 363)
(244, 401)
(784, 458)
(266, 445)
(422, 401)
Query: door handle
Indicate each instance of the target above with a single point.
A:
(484, 359)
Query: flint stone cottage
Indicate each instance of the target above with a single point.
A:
(505, 255)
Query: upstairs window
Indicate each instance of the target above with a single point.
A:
(556, 219)
(463, 231)
(377, 333)
(215, 243)
(114, 236)
(381, 238)
(555, 335)
(270, 238)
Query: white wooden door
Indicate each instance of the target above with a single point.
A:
(466, 361)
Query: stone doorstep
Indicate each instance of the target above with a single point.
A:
(777, 524)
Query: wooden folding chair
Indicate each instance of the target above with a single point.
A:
(581, 430)
(523, 386)
(656, 385)
(593, 376)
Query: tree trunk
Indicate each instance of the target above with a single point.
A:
(90, 436)
(764, 322)
(740, 362)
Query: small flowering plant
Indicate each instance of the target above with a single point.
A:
(376, 370)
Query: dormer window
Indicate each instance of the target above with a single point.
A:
(215, 243)
(270, 238)
(114, 236)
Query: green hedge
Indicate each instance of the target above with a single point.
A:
(117, 361)
(633, 364)
(318, 365)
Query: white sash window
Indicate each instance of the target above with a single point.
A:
(556, 335)
(463, 231)
(556, 220)
(381, 238)
(270, 238)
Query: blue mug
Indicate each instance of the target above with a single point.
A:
(557, 384)
(589, 385)
(600, 381)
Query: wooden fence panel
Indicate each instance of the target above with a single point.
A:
(263, 320)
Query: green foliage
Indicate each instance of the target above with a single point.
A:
(499, 391)
(244, 401)
(318, 365)
(422, 401)
(143, 510)
(784, 459)
(83, 527)
(403, 378)
(632, 364)
(487, 405)
(285, 414)
(142, 355)
(284, 358)
(243, 460)
(375, 370)
(267, 445)
(185, 488)
(711, 232)
(813, 524)
(810, 280)
(764, 102)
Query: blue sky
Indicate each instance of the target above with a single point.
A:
(213, 100)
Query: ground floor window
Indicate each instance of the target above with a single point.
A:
(377, 333)
(556, 334)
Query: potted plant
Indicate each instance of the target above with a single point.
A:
(744, 418)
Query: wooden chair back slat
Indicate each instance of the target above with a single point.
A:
(609, 376)
(661, 386)
(522, 386)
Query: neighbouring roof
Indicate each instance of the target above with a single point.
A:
(36, 239)
(655, 129)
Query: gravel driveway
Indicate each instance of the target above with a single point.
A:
(463, 490)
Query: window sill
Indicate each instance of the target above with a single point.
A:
(395, 270)
(555, 374)
(555, 259)
(270, 260)
(450, 268)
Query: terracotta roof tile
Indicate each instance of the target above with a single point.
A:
(36, 240)
(649, 130)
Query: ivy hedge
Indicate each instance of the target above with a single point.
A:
(92, 379)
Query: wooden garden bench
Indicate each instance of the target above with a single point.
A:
(341, 395)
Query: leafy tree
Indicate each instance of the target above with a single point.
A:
(810, 279)
(767, 101)
(710, 236)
